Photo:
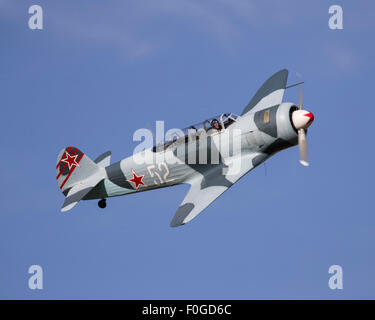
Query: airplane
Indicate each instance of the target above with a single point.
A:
(266, 126)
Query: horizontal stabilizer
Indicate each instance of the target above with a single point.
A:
(104, 159)
(77, 193)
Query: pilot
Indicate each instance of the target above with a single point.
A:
(215, 125)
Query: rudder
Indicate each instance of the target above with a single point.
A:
(73, 166)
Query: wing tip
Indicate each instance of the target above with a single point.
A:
(277, 81)
(181, 215)
(175, 225)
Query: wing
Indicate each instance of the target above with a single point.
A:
(270, 93)
(206, 187)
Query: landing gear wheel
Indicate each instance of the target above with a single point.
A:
(102, 203)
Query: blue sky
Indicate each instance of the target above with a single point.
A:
(99, 71)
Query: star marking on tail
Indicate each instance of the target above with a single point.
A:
(70, 160)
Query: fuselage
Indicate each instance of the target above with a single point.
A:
(263, 132)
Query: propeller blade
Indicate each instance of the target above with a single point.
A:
(302, 142)
(300, 97)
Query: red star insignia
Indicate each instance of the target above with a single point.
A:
(137, 180)
(70, 160)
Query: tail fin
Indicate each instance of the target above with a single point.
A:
(76, 175)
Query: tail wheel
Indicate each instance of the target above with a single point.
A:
(102, 203)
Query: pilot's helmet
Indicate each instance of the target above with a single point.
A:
(215, 124)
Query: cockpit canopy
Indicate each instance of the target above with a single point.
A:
(219, 122)
(209, 126)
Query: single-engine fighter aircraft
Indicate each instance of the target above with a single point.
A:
(267, 125)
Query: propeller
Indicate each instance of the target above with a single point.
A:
(302, 142)
(302, 119)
